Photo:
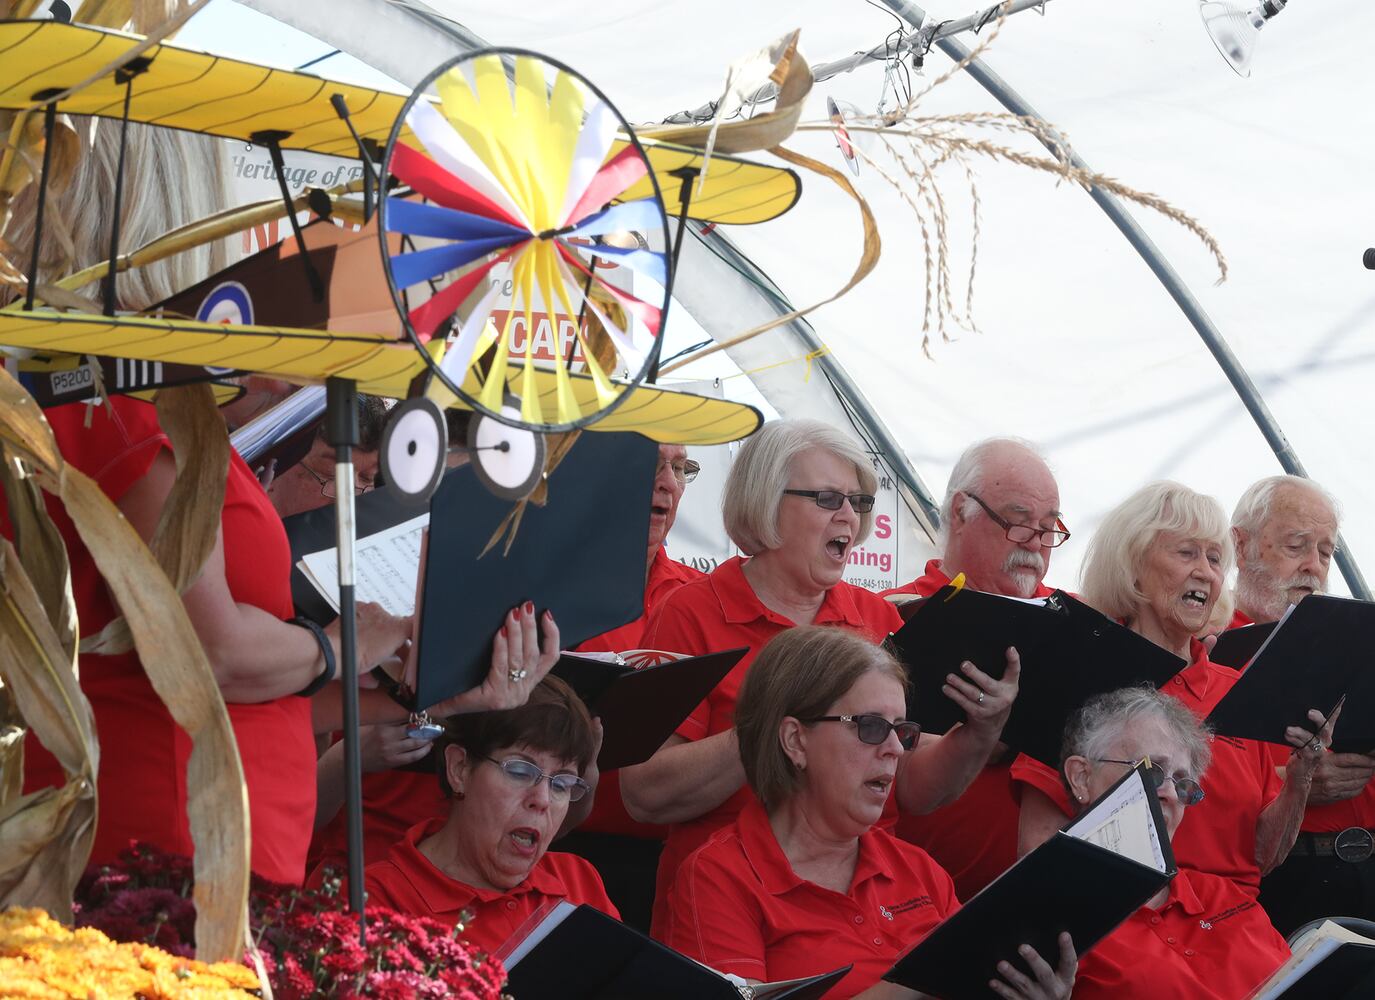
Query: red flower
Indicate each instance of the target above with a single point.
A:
(309, 945)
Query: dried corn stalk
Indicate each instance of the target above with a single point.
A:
(915, 146)
(177, 668)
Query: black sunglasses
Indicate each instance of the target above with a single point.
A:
(1189, 791)
(874, 729)
(860, 503)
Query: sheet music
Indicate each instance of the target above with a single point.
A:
(386, 567)
(1121, 822)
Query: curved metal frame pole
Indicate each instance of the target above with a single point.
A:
(924, 507)
(1212, 338)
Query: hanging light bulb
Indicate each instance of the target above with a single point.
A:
(1235, 29)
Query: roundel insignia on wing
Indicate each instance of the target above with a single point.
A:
(228, 302)
(415, 446)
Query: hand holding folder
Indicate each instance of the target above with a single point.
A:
(1092, 875)
(1069, 652)
(1320, 651)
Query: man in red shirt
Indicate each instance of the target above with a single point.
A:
(625, 851)
(1001, 521)
(1285, 529)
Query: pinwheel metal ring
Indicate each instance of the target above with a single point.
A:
(496, 199)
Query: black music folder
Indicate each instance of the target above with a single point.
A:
(1237, 647)
(1069, 653)
(954, 625)
(580, 953)
(582, 556)
(1088, 878)
(640, 709)
(1329, 962)
(1319, 651)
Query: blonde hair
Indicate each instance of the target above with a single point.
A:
(1113, 560)
(800, 673)
(754, 488)
(171, 178)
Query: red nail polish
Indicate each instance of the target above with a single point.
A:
(529, 607)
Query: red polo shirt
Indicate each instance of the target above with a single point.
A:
(975, 837)
(1210, 941)
(1217, 836)
(608, 810)
(143, 752)
(665, 576)
(393, 802)
(1240, 619)
(406, 880)
(721, 611)
(739, 907)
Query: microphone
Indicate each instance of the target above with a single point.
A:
(1369, 259)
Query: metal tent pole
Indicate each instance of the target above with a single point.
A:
(341, 430)
(1156, 261)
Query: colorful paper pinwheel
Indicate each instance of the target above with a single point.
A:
(511, 174)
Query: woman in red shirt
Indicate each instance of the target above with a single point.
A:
(805, 881)
(1202, 936)
(510, 777)
(1157, 563)
(799, 497)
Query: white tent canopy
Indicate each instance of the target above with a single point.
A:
(1081, 350)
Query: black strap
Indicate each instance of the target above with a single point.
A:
(326, 649)
(272, 141)
(394, 689)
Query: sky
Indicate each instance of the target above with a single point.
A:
(1077, 347)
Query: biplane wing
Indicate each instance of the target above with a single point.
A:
(199, 92)
(379, 363)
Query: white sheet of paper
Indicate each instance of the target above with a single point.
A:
(556, 915)
(386, 567)
(1123, 824)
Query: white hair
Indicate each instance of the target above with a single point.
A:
(754, 488)
(1113, 559)
(969, 475)
(1258, 503)
(1096, 726)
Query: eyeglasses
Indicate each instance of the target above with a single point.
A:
(860, 503)
(327, 484)
(684, 470)
(1189, 791)
(874, 729)
(1022, 533)
(526, 774)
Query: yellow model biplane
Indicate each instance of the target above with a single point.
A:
(483, 204)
